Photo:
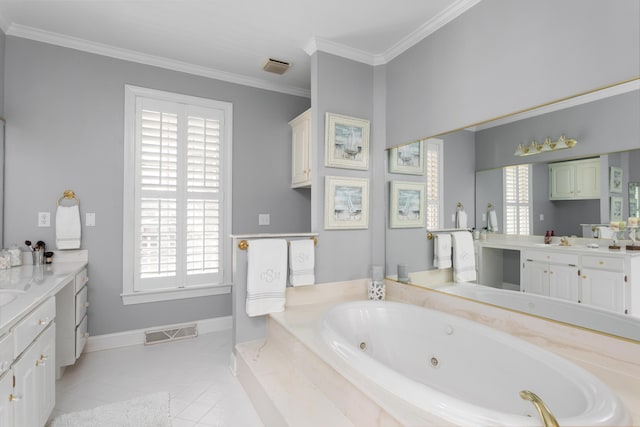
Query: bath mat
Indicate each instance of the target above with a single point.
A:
(144, 411)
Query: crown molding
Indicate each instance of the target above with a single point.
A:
(142, 58)
(429, 27)
(323, 45)
(426, 29)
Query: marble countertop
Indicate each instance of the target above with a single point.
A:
(23, 288)
(579, 247)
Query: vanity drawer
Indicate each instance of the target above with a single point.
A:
(81, 279)
(551, 257)
(603, 263)
(6, 353)
(81, 336)
(31, 326)
(81, 304)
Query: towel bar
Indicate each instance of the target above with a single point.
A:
(68, 194)
(431, 234)
(243, 244)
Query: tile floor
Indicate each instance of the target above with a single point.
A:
(194, 371)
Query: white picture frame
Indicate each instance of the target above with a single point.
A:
(615, 180)
(616, 207)
(346, 203)
(407, 159)
(346, 142)
(407, 204)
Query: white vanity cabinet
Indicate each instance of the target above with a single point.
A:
(72, 303)
(550, 274)
(574, 180)
(301, 150)
(27, 388)
(604, 283)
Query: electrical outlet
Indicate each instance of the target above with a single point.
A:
(44, 219)
(541, 217)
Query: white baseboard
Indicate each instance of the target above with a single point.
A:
(136, 337)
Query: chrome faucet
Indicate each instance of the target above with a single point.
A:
(548, 420)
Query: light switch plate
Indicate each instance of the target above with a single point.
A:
(264, 219)
(90, 219)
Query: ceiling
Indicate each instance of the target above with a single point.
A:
(230, 40)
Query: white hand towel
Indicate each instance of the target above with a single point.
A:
(266, 276)
(464, 259)
(461, 219)
(604, 232)
(301, 262)
(68, 227)
(442, 251)
(492, 224)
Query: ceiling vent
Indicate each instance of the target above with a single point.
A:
(275, 66)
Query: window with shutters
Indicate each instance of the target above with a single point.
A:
(433, 157)
(176, 196)
(517, 199)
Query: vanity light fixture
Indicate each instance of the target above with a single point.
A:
(548, 145)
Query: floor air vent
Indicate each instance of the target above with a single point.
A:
(175, 333)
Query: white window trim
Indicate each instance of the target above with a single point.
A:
(129, 296)
(439, 143)
(530, 204)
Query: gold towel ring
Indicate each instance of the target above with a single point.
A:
(69, 194)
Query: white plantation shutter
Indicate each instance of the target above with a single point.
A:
(433, 154)
(179, 215)
(517, 198)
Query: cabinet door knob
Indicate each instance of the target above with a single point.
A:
(43, 321)
(14, 398)
(584, 277)
(44, 357)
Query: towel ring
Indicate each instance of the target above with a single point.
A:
(69, 194)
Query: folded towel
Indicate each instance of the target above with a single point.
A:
(604, 232)
(266, 276)
(461, 219)
(442, 251)
(68, 227)
(301, 262)
(464, 259)
(492, 221)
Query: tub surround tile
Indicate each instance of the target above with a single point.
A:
(294, 335)
(280, 393)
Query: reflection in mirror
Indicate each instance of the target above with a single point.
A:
(634, 199)
(605, 125)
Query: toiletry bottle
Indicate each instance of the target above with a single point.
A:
(547, 237)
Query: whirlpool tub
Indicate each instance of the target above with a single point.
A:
(464, 372)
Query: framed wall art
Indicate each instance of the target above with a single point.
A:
(615, 180)
(407, 204)
(407, 159)
(615, 213)
(346, 203)
(347, 142)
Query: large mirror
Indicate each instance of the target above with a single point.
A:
(604, 123)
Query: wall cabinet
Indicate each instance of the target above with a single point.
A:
(27, 389)
(71, 306)
(574, 180)
(301, 150)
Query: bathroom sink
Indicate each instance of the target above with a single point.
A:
(8, 295)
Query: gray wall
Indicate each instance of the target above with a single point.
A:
(346, 87)
(2, 50)
(503, 56)
(64, 111)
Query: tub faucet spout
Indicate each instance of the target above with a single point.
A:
(548, 420)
